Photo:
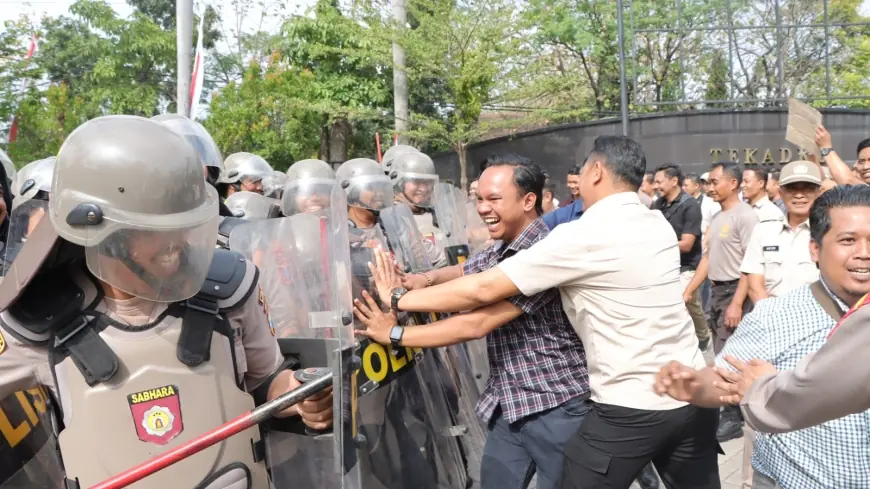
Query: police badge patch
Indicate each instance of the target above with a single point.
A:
(157, 414)
(2, 343)
(430, 237)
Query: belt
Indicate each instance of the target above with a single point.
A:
(687, 268)
(717, 283)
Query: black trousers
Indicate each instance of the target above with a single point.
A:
(614, 443)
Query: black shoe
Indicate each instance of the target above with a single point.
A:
(729, 429)
(703, 345)
(648, 479)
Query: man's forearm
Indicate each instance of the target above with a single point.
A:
(446, 274)
(757, 290)
(840, 171)
(699, 277)
(687, 241)
(461, 327)
(742, 291)
(463, 294)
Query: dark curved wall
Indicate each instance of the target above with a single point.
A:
(689, 139)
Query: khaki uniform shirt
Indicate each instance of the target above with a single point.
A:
(23, 366)
(829, 384)
(782, 255)
(728, 239)
(618, 272)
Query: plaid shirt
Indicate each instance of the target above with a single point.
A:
(536, 361)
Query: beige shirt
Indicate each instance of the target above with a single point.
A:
(828, 384)
(728, 239)
(767, 210)
(782, 255)
(23, 366)
(618, 272)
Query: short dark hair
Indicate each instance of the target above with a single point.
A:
(574, 170)
(671, 171)
(693, 177)
(528, 176)
(730, 168)
(648, 177)
(549, 186)
(839, 196)
(624, 158)
(774, 175)
(865, 143)
(760, 173)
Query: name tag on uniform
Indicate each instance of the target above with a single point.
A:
(770, 248)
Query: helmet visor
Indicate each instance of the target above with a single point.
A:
(373, 192)
(161, 265)
(416, 188)
(309, 195)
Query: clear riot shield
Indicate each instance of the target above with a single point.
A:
(475, 229)
(22, 220)
(252, 206)
(451, 366)
(304, 274)
(28, 450)
(451, 220)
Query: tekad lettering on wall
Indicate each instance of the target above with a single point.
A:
(756, 156)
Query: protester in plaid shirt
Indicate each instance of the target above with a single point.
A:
(536, 396)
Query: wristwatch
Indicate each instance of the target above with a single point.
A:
(396, 333)
(825, 151)
(395, 295)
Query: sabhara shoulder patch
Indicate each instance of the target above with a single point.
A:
(2, 343)
(262, 301)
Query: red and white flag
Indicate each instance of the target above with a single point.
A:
(198, 74)
(13, 128)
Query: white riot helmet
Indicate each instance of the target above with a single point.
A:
(252, 206)
(11, 172)
(34, 181)
(308, 188)
(393, 152)
(131, 192)
(414, 178)
(273, 185)
(199, 138)
(244, 168)
(365, 184)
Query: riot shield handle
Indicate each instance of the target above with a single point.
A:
(217, 435)
(305, 376)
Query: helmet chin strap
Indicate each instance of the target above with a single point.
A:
(150, 279)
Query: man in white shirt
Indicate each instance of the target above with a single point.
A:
(754, 186)
(617, 269)
(778, 259)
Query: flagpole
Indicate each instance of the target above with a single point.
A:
(184, 40)
(197, 77)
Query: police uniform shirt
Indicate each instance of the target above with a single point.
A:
(618, 272)
(24, 366)
(782, 255)
(766, 210)
(727, 241)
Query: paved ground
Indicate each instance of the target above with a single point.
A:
(730, 465)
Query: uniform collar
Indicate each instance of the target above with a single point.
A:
(842, 305)
(805, 224)
(761, 202)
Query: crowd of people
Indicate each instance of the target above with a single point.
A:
(629, 329)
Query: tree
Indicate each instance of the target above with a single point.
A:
(468, 45)
(717, 79)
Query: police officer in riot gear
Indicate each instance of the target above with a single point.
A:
(273, 185)
(123, 308)
(308, 188)
(395, 151)
(243, 171)
(11, 172)
(29, 204)
(368, 191)
(414, 179)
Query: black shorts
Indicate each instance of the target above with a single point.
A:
(615, 443)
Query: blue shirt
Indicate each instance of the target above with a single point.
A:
(836, 454)
(564, 214)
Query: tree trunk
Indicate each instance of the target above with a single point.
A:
(338, 139)
(323, 152)
(460, 149)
